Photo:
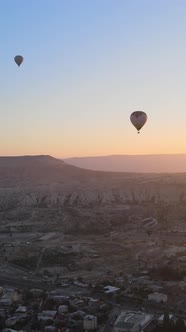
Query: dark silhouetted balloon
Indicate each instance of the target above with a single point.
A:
(18, 60)
(138, 119)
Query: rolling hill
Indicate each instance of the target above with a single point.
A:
(37, 170)
(170, 163)
(46, 170)
(27, 179)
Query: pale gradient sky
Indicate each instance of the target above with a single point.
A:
(88, 65)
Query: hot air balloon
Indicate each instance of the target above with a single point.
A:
(18, 60)
(138, 119)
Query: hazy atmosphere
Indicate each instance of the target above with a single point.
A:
(93, 166)
(87, 66)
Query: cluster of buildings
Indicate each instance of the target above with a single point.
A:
(52, 311)
(87, 309)
(137, 321)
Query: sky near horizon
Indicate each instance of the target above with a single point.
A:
(87, 66)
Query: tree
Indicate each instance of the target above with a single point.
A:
(50, 304)
(35, 324)
(180, 325)
(166, 320)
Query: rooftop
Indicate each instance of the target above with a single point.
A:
(132, 319)
(111, 289)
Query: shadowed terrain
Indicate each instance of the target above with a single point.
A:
(77, 222)
(168, 163)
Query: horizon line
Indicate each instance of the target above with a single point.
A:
(96, 156)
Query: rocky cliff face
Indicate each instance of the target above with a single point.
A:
(46, 181)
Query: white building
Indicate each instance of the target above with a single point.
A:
(129, 321)
(111, 289)
(22, 309)
(89, 323)
(157, 297)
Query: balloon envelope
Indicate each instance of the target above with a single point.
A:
(138, 119)
(18, 59)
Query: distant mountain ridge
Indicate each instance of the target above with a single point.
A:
(154, 163)
(31, 179)
(14, 161)
(46, 170)
(34, 170)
